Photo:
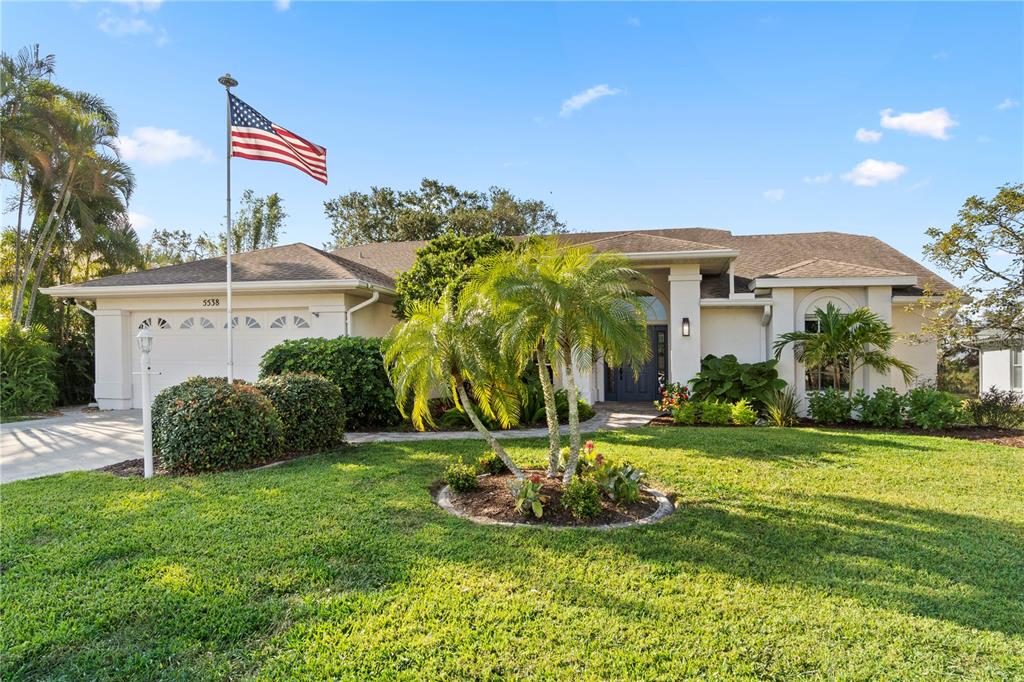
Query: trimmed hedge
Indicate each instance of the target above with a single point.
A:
(352, 363)
(28, 366)
(312, 410)
(204, 424)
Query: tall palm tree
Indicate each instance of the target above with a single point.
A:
(846, 341)
(564, 306)
(438, 350)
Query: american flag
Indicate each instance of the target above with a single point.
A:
(253, 136)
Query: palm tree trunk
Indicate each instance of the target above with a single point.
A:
(36, 280)
(551, 412)
(574, 419)
(59, 206)
(836, 375)
(17, 240)
(488, 436)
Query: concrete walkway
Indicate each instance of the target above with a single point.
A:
(75, 441)
(81, 441)
(607, 416)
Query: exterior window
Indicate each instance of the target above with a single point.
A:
(1017, 369)
(251, 322)
(161, 323)
(187, 323)
(655, 309)
(279, 322)
(821, 378)
(146, 323)
(205, 323)
(660, 345)
(300, 322)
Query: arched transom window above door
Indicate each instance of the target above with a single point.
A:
(655, 309)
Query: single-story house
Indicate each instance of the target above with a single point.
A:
(712, 292)
(1000, 363)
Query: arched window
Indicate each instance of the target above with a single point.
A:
(655, 309)
(279, 322)
(300, 322)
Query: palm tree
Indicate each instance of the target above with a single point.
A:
(564, 305)
(438, 350)
(851, 341)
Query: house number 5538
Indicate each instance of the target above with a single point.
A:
(211, 302)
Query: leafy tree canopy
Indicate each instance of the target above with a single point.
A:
(387, 215)
(443, 262)
(985, 246)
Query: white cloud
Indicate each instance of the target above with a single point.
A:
(822, 179)
(633, 21)
(160, 146)
(588, 96)
(140, 221)
(140, 5)
(1007, 104)
(870, 172)
(118, 26)
(867, 136)
(774, 195)
(933, 123)
(282, 5)
(941, 54)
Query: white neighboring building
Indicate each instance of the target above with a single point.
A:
(1001, 365)
(712, 292)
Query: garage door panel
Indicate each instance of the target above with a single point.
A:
(194, 343)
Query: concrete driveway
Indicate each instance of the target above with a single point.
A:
(75, 441)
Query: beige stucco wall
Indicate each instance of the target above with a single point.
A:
(995, 369)
(922, 355)
(732, 330)
(373, 320)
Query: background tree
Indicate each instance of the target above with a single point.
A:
(386, 215)
(846, 341)
(986, 247)
(444, 262)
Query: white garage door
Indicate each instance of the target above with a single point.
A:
(195, 343)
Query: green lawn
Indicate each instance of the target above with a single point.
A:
(794, 553)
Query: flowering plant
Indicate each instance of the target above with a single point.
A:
(527, 494)
(673, 395)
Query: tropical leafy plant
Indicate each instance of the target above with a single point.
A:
(528, 498)
(688, 413)
(1001, 409)
(490, 463)
(884, 409)
(782, 408)
(831, 406)
(851, 341)
(931, 409)
(726, 378)
(672, 396)
(440, 350)
(28, 363)
(743, 414)
(715, 412)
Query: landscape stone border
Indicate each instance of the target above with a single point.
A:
(665, 507)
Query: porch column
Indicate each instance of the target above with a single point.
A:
(880, 303)
(114, 339)
(684, 302)
(783, 321)
(328, 320)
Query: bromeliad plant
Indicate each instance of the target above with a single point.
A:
(527, 495)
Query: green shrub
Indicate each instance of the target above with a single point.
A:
(688, 413)
(930, 409)
(782, 408)
(830, 406)
(1001, 409)
(562, 406)
(204, 424)
(884, 409)
(743, 413)
(311, 408)
(352, 363)
(28, 365)
(619, 481)
(715, 413)
(725, 378)
(582, 498)
(460, 477)
(490, 463)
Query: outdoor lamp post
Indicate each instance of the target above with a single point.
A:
(145, 339)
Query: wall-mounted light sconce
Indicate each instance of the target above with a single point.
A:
(686, 326)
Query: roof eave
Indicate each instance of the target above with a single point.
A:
(270, 286)
(681, 255)
(806, 282)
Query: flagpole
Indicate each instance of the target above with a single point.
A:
(228, 82)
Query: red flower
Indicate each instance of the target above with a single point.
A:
(536, 478)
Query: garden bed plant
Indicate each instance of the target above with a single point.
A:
(604, 491)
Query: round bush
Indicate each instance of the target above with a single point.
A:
(461, 477)
(582, 498)
(312, 410)
(204, 424)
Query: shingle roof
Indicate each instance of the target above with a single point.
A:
(291, 262)
(806, 254)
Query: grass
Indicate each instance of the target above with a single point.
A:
(794, 553)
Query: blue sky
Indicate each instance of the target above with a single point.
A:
(621, 116)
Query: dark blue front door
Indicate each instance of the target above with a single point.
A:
(622, 385)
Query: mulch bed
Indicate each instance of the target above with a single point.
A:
(133, 468)
(1009, 437)
(493, 500)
